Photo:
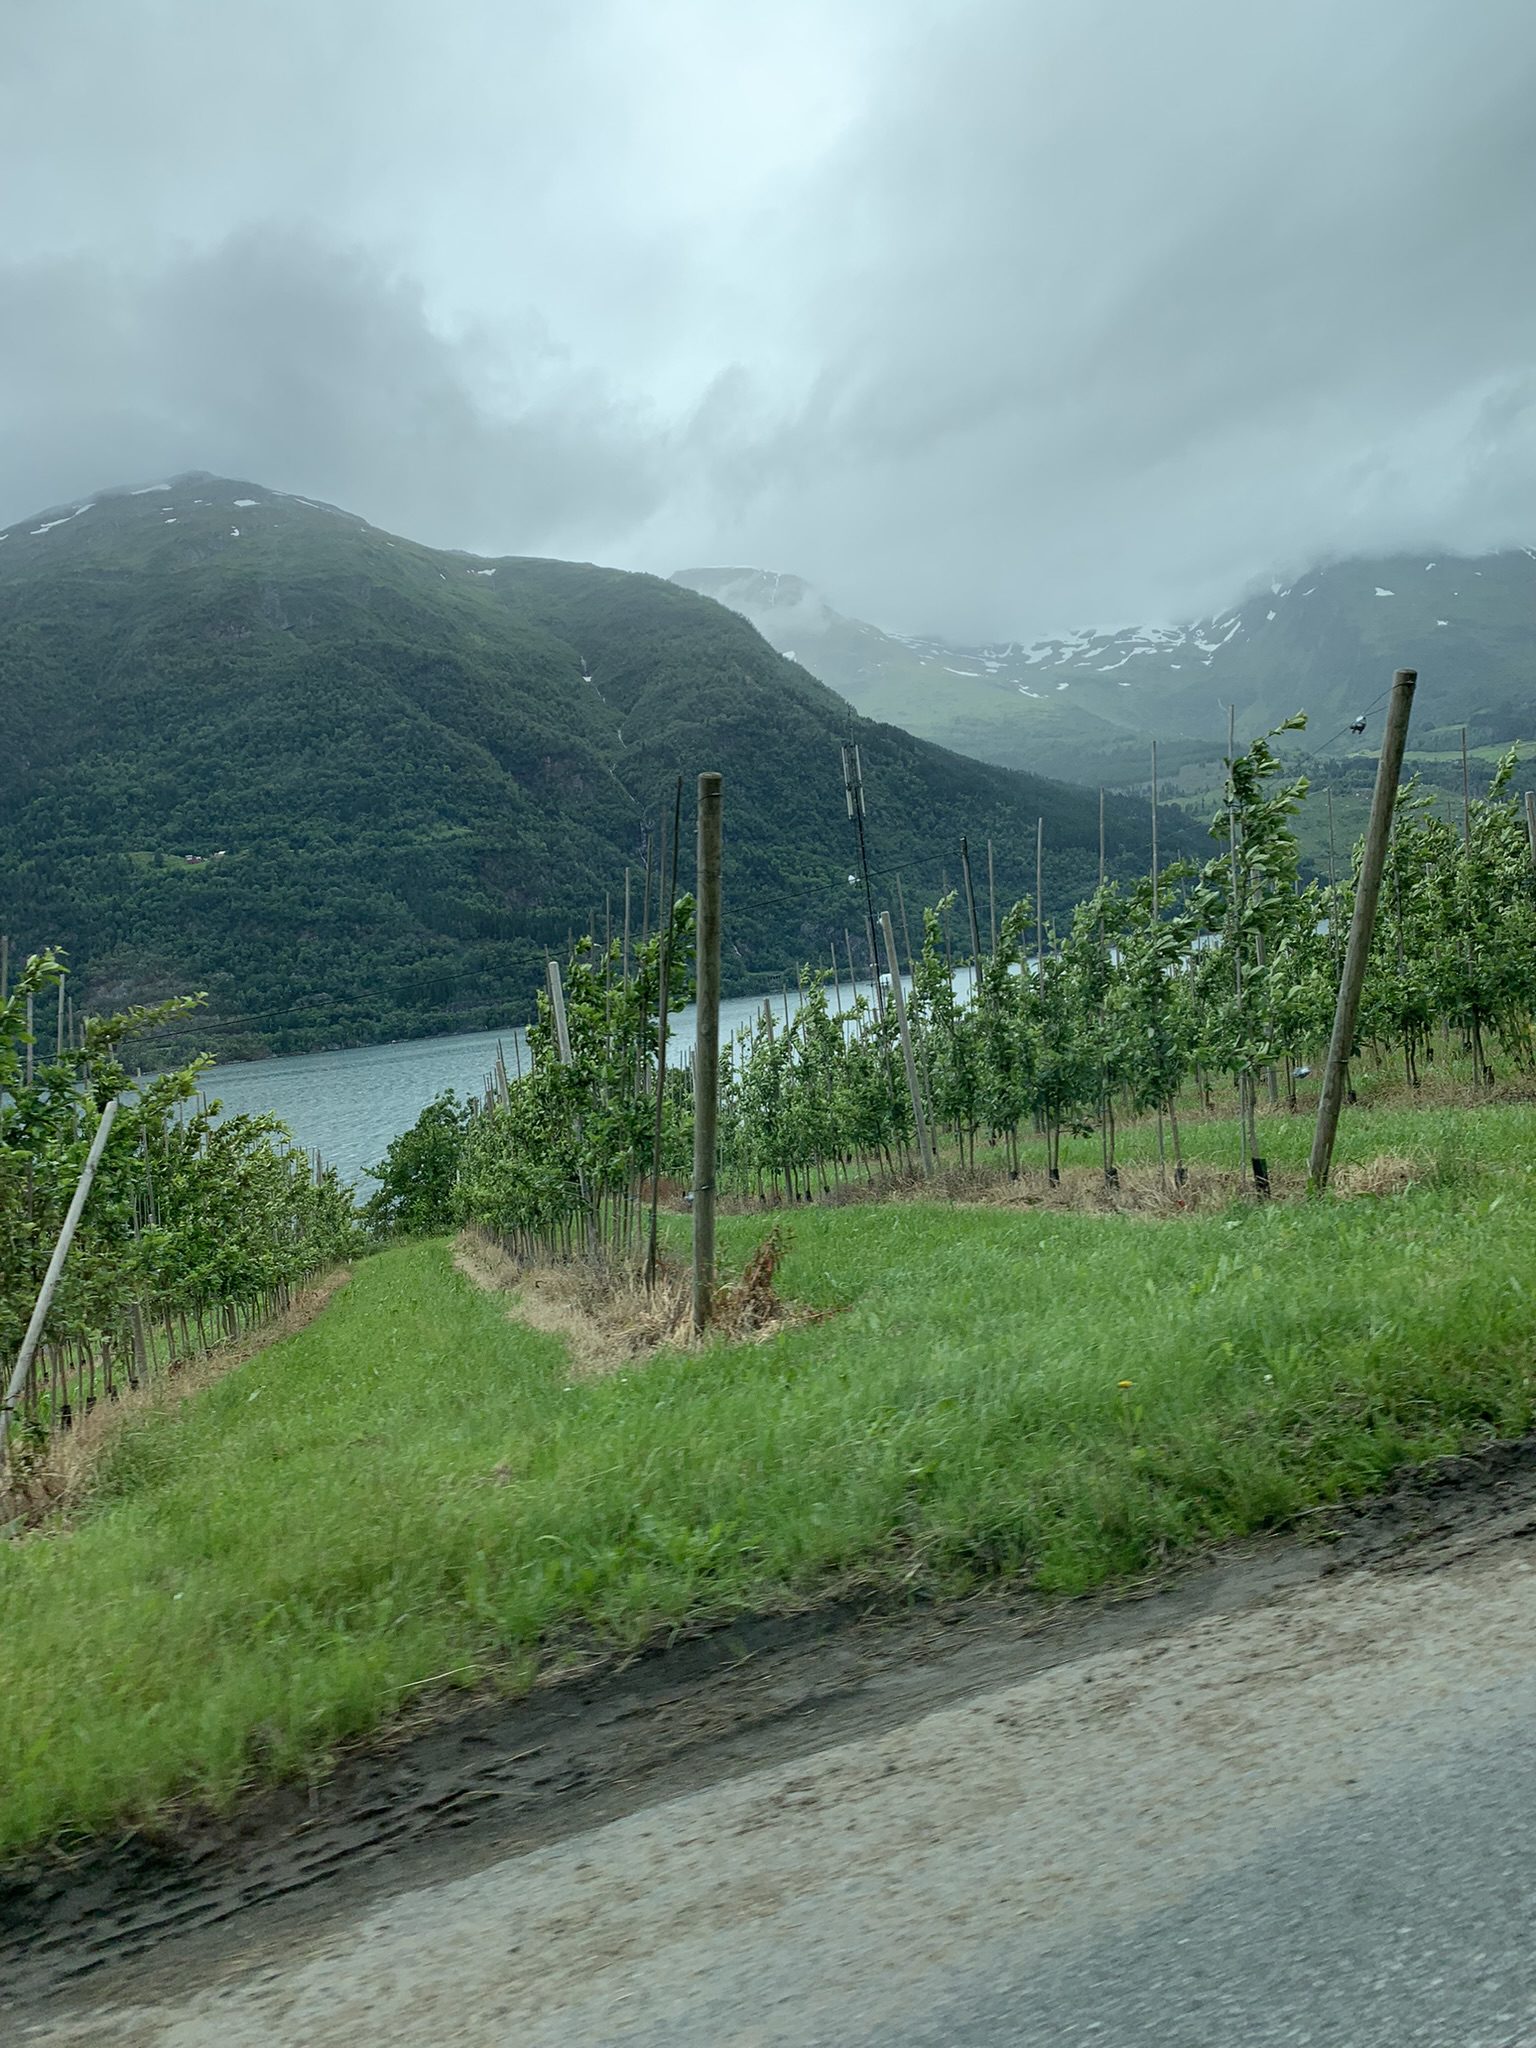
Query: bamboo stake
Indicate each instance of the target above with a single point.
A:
(1393, 740)
(50, 1284)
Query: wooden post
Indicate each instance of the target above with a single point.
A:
(706, 1056)
(1393, 740)
(5, 965)
(906, 1044)
(991, 902)
(557, 1008)
(1154, 842)
(663, 1002)
(50, 1284)
(1101, 835)
(58, 1034)
(30, 1005)
(853, 789)
(1530, 822)
(140, 1368)
(906, 936)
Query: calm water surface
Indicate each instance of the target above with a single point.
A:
(349, 1105)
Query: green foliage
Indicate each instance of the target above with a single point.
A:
(191, 1214)
(555, 1164)
(419, 1173)
(1228, 969)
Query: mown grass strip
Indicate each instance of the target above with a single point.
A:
(411, 1487)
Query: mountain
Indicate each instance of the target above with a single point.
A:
(1086, 704)
(355, 787)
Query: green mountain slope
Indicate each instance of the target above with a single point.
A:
(356, 787)
(1086, 705)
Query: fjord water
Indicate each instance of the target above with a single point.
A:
(349, 1105)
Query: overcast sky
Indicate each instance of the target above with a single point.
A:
(991, 317)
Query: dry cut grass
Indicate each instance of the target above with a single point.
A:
(608, 1318)
(1139, 1189)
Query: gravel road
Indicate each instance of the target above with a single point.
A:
(1306, 1820)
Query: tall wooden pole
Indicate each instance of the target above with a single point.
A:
(1039, 896)
(853, 790)
(1530, 822)
(557, 1011)
(1101, 837)
(970, 907)
(1466, 794)
(899, 1001)
(663, 998)
(906, 936)
(991, 901)
(706, 1054)
(1362, 924)
(1154, 830)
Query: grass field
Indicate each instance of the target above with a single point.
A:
(411, 1495)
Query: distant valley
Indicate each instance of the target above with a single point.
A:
(1086, 705)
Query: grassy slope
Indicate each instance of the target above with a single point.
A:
(411, 1489)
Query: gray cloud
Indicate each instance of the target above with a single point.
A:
(275, 357)
(986, 316)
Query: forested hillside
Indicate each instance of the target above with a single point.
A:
(355, 787)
